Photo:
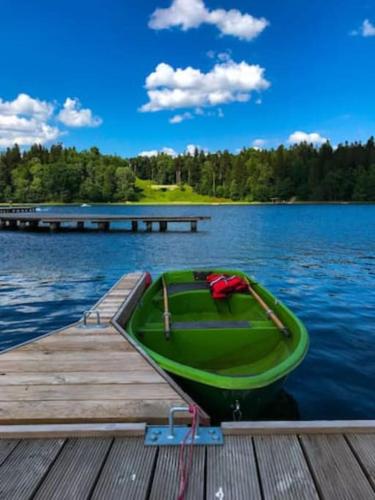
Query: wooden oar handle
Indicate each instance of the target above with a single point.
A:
(280, 325)
(167, 314)
(167, 322)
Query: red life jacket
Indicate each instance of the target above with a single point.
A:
(222, 286)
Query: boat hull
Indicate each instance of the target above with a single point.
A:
(224, 353)
(221, 404)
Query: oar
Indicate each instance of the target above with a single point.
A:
(280, 325)
(167, 314)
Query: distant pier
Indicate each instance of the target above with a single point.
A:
(13, 219)
(14, 209)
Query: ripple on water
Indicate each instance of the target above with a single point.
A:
(318, 259)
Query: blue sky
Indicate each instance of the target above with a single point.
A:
(294, 66)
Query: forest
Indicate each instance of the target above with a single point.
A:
(300, 172)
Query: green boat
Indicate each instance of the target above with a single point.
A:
(231, 356)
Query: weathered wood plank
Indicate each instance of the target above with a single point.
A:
(363, 446)
(166, 479)
(82, 342)
(132, 361)
(25, 412)
(337, 473)
(283, 469)
(6, 448)
(147, 376)
(75, 471)
(68, 356)
(79, 329)
(25, 468)
(34, 431)
(127, 472)
(132, 392)
(297, 427)
(232, 471)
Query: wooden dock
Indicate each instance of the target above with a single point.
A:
(87, 373)
(14, 209)
(13, 220)
(261, 465)
(75, 404)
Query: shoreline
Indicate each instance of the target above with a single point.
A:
(182, 203)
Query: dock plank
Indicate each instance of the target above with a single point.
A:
(232, 471)
(133, 361)
(82, 342)
(337, 473)
(73, 475)
(283, 469)
(131, 392)
(25, 468)
(363, 446)
(146, 376)
(6, 448)
(127, 473)
(166, 479)
(145, 410)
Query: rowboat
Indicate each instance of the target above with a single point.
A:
(231, 356)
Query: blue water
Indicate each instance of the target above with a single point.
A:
(319, 260)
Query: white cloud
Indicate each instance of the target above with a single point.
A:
(258, 143)
(311, 138)
(169, 151)
(27, 120)
(366, 29)
(73, 115)
(24, 121)
(25, 105)
(149, 153)
(220, 56)
(180, 118)
(156, 152)
(170, 88)
(189, 14)
(191, 148)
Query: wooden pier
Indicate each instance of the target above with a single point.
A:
(87, 372)
(80, 222)
(14, 209)
(74, 406)
(309, 465)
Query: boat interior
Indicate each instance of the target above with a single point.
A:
(231, 337)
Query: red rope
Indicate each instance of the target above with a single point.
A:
(185, 467)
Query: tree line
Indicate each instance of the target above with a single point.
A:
(301, 172)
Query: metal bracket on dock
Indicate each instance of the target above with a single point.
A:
(174, 435)
(87, 314)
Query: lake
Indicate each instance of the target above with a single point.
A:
(318, 259)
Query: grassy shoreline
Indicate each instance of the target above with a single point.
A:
(183, 203)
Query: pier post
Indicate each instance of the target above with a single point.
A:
(22, 225)
(148, 226)
(103, 226)
(2, 224)
(80, 225)
(12, 224)
(134, 226)
(193, 226)
(33, 224)
(54, 226)
(163, 225)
